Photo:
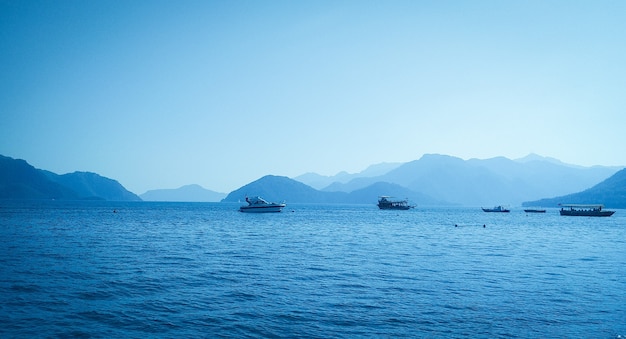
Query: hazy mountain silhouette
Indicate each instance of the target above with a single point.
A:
(433, 179)
(371, 193)
(610, 192)
(477, 182)
(20, 180)
(536, 157)
(89, 185)
(278, 188)
(320, 181)
(188, 193)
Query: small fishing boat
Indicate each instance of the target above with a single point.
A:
(581, 210)
(496, 209)
(387, 203)
(259, 205)
(534, 210)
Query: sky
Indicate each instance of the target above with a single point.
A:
(160, 94)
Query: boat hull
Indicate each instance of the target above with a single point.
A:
(534, 211)
(262, 209)
(496, 210)
(402, 207)
(587, 213)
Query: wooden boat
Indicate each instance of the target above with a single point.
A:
(386, 203)
(500, 209)
(583, 210)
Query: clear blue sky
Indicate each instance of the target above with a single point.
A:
(159, 94)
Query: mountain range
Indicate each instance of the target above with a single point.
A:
(431, 180)
(279, 188)
(319, 182)
(477, 182)
(20, 180)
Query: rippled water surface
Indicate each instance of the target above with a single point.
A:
(103, 270)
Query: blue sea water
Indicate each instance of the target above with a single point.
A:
(204, 270)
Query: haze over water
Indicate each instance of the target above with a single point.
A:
(161, 94)
(205, 270)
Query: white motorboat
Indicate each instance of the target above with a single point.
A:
(259, 205)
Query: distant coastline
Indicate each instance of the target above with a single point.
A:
(433, 180)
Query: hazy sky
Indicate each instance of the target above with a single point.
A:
(160, 94)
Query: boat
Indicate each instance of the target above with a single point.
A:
(259, 205)
(496, 209)
(535, 210)
(582, 210)
(388, 203)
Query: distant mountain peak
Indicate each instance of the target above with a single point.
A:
(322, 181)
(186, 193)
(536, 157)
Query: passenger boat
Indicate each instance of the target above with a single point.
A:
(496, 209)
(387, 203)
(259, 205)
(535, 210)
(581, 210)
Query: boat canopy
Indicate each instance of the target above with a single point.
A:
(582, 205)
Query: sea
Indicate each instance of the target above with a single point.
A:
(95, 269)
